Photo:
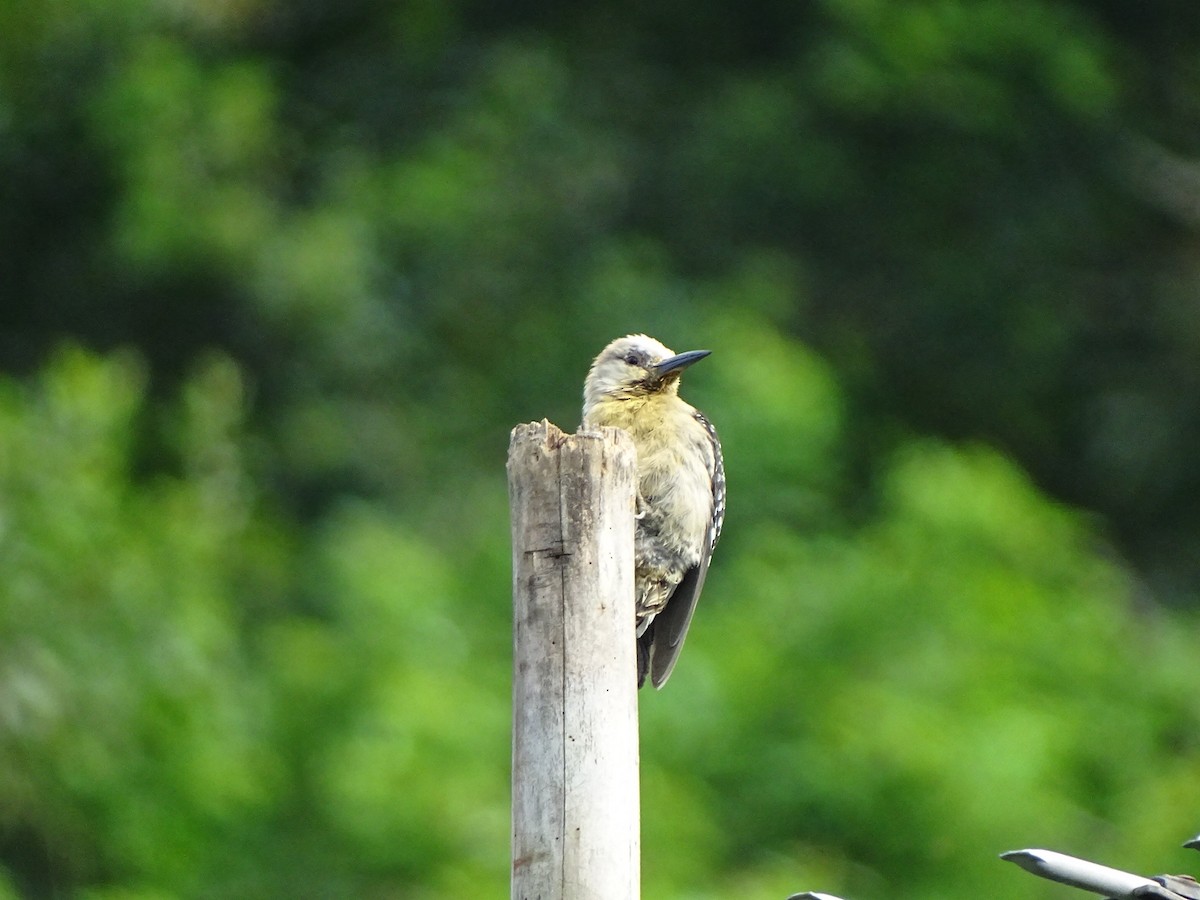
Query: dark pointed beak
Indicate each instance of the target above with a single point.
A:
(679, 362)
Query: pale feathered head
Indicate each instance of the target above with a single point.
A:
(635, 366)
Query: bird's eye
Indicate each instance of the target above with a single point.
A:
(631, 358)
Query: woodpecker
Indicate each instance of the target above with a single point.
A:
(634, 384)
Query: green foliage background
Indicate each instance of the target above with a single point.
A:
(278, 278)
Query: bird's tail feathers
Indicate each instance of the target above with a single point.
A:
(644, 642)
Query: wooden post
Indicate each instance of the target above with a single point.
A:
(575, 758)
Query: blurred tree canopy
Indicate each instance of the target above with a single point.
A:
(279, 278)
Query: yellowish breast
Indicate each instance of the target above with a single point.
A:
(675, 459)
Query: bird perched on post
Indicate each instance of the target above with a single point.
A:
(634, 384)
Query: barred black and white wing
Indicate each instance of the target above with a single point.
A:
(665, 639)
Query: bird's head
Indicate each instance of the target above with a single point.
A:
(636, 366)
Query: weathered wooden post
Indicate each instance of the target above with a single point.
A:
(575, 759)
